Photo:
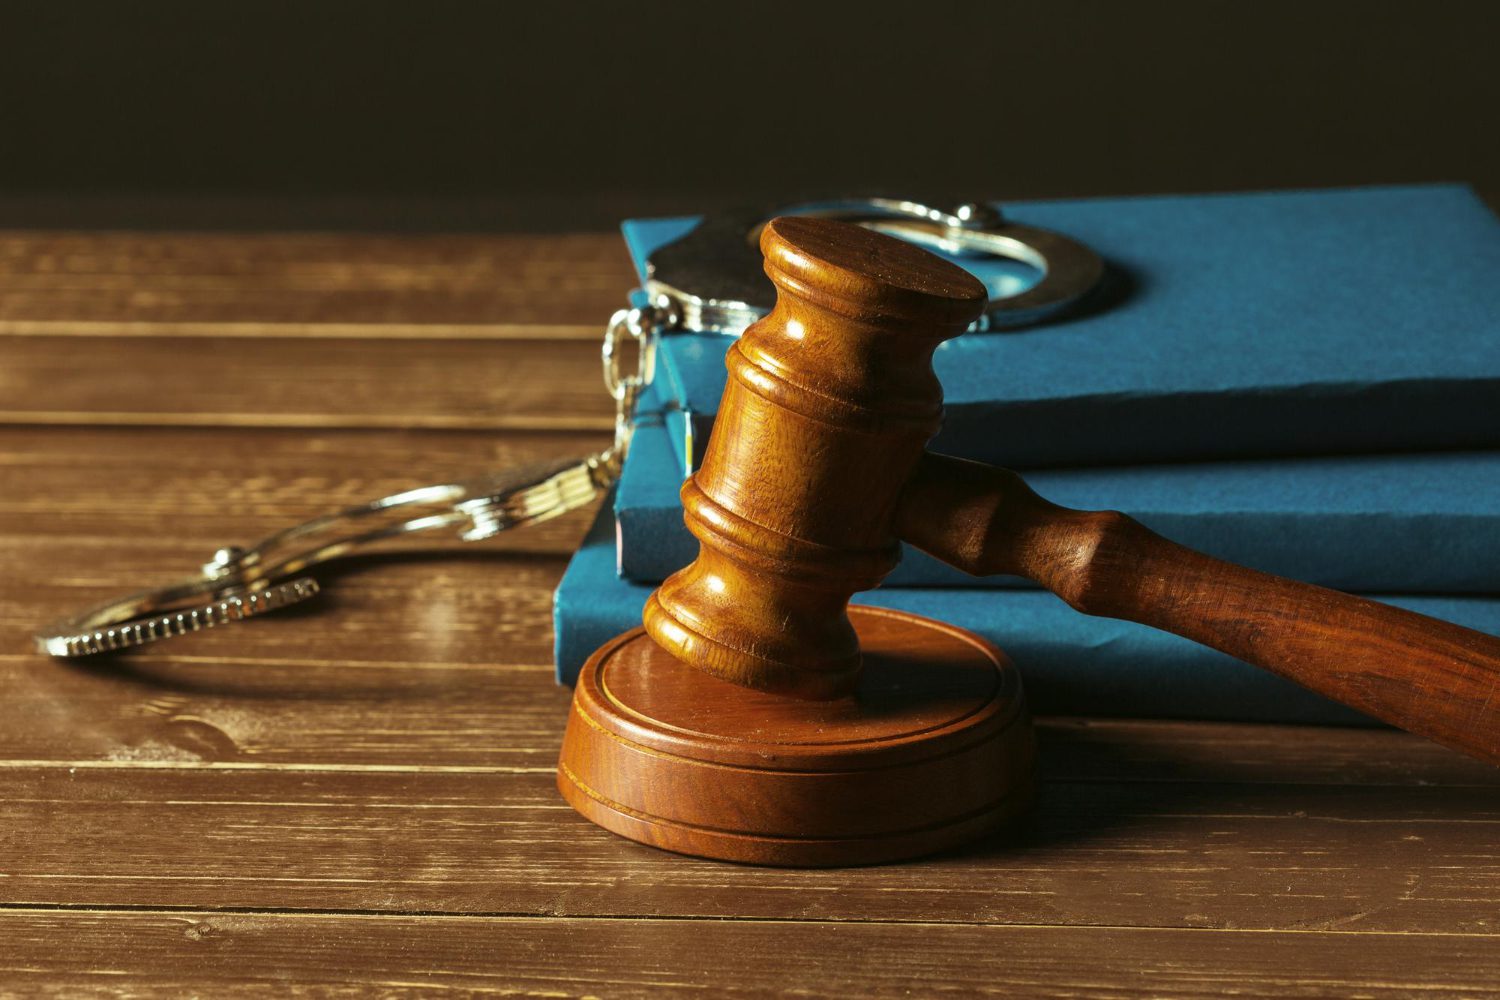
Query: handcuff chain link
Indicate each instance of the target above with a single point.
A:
(240, 583)
(643, 325)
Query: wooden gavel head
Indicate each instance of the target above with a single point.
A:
(816, 467)
(830, 402)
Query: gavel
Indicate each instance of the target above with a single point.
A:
(753, 681)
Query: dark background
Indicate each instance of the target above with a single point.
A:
(564, 115)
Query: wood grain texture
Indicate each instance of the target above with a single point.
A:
(895, 736)
(830, 401)
(151, 954)
(390, 753)
(221, 483)
(217, 485)
(817, 467)
(1427, 676)
(307, 280)
(934, 750)
(486, 839)
(449, 605)
(242, 382)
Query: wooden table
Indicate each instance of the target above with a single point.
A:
(362, 794)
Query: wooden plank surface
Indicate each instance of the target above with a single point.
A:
(357, 796)
(75, 283)
(151, 830)
(177, 952)
(470, 384)
(216, 485)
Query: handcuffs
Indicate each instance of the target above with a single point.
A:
(709, 280)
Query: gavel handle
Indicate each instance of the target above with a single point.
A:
(1427, 676)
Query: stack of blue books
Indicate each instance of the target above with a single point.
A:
(1307, 383)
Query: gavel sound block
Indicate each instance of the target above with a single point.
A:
(758, 717)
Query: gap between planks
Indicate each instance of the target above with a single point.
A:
(517, 916)
(171, 952)
(309, 421)
(337, 331)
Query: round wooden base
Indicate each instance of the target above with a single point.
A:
(933, 751)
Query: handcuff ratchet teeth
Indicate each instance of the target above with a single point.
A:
(242, 583)
(709, 280)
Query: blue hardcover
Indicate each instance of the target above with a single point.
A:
(1072, 664)
(1288, 323)
(1414, 523)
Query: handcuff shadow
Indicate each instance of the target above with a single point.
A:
(271, 673)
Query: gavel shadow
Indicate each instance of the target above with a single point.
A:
(292, 652)
(1100, 776)
(1095, 776)
(1090, 788)
(1125, 781)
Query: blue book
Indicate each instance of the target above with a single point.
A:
(1291, 323)
(1072, 664)
(1415, 523)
